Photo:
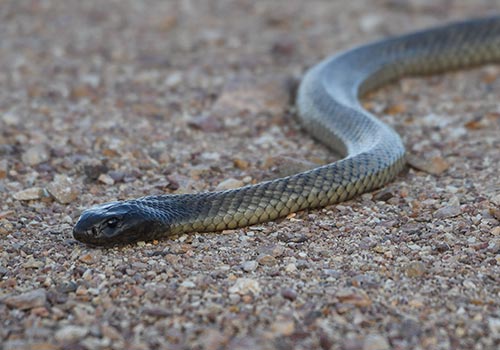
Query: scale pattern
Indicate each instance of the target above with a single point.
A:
(329, 108)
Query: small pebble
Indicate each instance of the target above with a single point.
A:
(188, 284)
(263, 95)
(110, 332)
(245, 286)
(241, 164)
(27, 300)
(469, 284)
(289, 294)
(282, 166)
(157, 311)
(10, 118)
(29, 194)
(207, 123)
(87, 258)
(62, 189)
(416, 303)
(284, 47)
(415, 269)
(71, 333)
(494, 326)
(370, 23)
(67, 287)
(174, 79)
(496, 199)
(435, 166)
(117, 175)
(94, 168)
(229, 184)
(267, 260)
(291, 267)
(95, 343)
(376, 342)
(250, 265)
(33, 264)
(353, 296)
(283, 328)
(495, 212)
(106, 179)
(214, 339)
(384, 195)
(35, 155)
(495, 231)
(449, 211)
(276, 250)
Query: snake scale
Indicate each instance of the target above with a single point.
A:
(329, 108)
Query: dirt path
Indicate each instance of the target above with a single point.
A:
(105, 100)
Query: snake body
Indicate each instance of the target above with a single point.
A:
(329, 108)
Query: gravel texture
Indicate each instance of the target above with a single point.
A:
(106, 100)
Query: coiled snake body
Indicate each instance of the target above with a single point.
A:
(329, 109)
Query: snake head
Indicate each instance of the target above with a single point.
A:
(116, 223)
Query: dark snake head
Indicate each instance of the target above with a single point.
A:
(117, 223)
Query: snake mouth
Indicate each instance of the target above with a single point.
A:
(94, 238)
(88, 236)
(116, 225)
(95, 233)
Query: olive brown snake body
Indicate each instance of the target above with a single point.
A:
(329, 108)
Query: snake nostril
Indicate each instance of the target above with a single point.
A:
(94, 231)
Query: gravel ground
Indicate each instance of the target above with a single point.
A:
(105, 100)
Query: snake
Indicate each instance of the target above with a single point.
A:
(329, 108)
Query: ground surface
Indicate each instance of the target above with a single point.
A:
(117, 99)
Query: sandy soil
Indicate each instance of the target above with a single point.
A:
(111, 100)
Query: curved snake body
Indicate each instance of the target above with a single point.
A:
(329, 108)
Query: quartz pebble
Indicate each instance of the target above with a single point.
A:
(229, 184)
(106, 179)
(29, 194)
(63, 190)
(283, 327)
(244, 286)
(291, 267)
(70, 333)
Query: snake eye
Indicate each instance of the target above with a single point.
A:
(112, 222)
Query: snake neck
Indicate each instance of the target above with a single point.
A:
(250, 205)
